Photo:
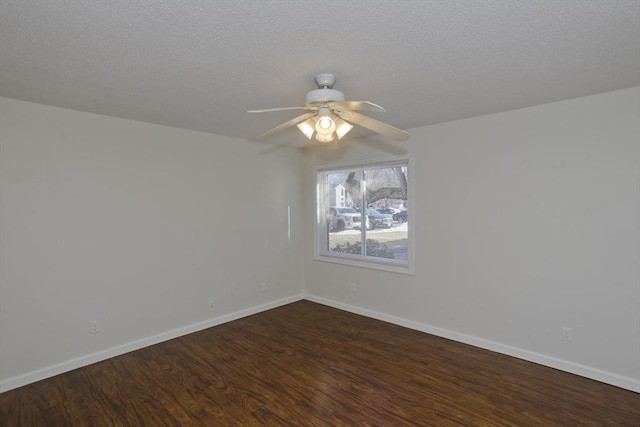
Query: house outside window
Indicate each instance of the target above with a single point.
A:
(362, 215)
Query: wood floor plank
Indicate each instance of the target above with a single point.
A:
(306, 364)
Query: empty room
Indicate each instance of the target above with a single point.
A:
(297, 213)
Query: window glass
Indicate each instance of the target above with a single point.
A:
(386, 195)
(344, 222)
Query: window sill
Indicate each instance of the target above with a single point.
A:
(363, 264)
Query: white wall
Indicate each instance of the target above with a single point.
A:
(137, 226)
(526, 221)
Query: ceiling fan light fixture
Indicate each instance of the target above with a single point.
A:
(342, 128)
(307, 128)
(324, 138)
(325, 125)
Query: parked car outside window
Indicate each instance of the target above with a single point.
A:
(378, 220)
(344, 218)
(386, 211)
(400, 216)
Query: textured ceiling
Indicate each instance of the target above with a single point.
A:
(201, 64)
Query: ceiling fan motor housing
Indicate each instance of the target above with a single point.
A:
(322, 96)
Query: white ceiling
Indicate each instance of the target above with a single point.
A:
(201, 64)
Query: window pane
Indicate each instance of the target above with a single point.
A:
(362, 215)
(387, 233)
(344, 220)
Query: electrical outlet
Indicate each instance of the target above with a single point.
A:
(566, 334)
(95, 327)
(263, 286)
(353, 287)
(212, 306)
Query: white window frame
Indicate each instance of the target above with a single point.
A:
(320, 220)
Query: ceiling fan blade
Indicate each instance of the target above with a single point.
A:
(356, 105)
(283, 126)
(374, 125)
(268, 110)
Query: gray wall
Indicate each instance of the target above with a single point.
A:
(137, 226)
(525, 222)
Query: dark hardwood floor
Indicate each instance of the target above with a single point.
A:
(306, 364)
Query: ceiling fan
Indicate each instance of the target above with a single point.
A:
(328, 116)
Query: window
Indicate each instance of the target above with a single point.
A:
(362, 215)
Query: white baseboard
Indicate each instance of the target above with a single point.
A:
(59, 368)
(563, 365)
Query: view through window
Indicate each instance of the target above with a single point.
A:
(363, 213)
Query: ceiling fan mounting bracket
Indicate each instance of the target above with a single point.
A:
(325, 81)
